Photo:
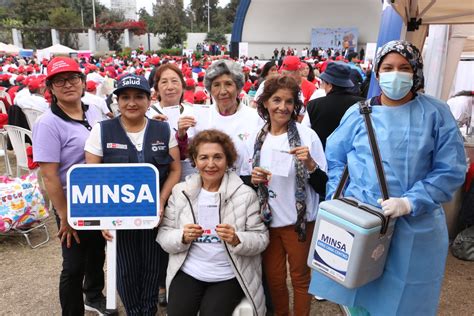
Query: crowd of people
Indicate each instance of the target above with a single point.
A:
(315, 53)
(212, 49)
(249, 150)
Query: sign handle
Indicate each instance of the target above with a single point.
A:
(112, 270)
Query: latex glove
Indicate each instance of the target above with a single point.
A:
(395, 207)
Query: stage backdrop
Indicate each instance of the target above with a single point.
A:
(335, 38)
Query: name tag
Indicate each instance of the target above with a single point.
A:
(116, 146)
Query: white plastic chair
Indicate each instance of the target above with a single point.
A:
(31, 116)
(17, 137)
(4, 151)
(4, 141)
(3, 108)
(5, 95)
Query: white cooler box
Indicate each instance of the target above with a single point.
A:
(347, 244)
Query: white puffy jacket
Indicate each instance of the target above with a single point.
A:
(238, 207)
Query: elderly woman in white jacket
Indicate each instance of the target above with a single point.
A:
(214, 235)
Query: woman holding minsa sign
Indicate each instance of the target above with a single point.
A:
(133, 138)
(214, 235)
(285, 155)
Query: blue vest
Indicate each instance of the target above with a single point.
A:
(117, 147)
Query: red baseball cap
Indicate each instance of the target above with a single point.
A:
(91, 85)
(5, 77)
(291, 63)
(155, 61)
(190, 82)
(35, 84)
(200, 96)
(61, 64)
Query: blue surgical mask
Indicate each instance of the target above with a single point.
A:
(395, 84)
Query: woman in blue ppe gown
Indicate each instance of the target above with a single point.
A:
(424, 162)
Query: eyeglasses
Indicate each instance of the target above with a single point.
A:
(60, 82)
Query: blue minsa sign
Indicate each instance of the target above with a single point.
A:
(113, 196)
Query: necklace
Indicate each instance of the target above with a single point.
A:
(130, 129)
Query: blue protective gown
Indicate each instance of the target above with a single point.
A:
(424, 160)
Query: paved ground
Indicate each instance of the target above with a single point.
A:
(29, 280)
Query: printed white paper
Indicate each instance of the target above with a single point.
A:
(172, 112)
(281, 163)
(208, 218)
(202, 116)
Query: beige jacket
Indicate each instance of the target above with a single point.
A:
(238, 207)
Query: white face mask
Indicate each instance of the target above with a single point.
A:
(395, 84)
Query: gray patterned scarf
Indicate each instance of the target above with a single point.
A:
(301, 178)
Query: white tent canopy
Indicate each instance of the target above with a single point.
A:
(436, 11)
(422, 13)
(9, 48)
(57, 49)
(449, 40)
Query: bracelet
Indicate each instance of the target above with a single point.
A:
(315, 168)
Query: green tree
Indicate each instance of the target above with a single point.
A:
(63, 18)
(6, 24)
(169, 19)
(216, 36)
(84, 9)
(219, 21)
(231, 11)
(199, 8)
(37, 34)
(34, 16)
(38, 17)
(30, 12)
(4, 14)
(143, 15)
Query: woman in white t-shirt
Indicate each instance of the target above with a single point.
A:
(224, 80)
(133, 138)
(285, 156)
(214, 235)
